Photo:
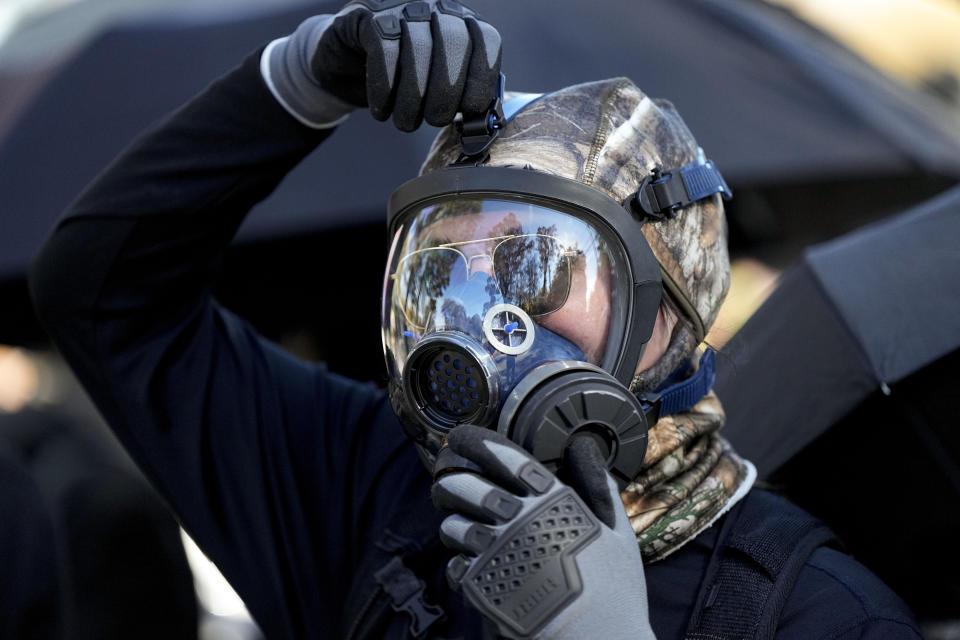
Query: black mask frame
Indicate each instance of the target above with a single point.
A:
(542, 188)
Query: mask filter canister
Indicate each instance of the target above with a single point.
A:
(561, 401)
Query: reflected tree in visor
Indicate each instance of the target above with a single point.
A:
(531, 270)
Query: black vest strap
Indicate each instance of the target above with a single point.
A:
(384, 581)
(406, 593)
(763, 544)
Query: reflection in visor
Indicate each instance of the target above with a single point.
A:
(454, 259)
(531, 270)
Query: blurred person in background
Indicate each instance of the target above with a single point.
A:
(31, 604)
(553, 260)
(98, 554)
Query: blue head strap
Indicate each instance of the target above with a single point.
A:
(517, 103)
(677, 393)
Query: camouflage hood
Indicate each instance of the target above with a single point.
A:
(610, 135)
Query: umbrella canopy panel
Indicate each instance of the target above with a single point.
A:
(886, 478)
(896, 286)
(764, 112)
(789, 372)
(859, 313)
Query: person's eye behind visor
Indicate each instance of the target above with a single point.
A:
(567, 273)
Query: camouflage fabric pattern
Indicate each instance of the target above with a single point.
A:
(691, 474)
(609, 135)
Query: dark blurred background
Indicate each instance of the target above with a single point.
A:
(823, 116)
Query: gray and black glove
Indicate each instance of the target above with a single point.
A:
(414, 60)
(538, 557)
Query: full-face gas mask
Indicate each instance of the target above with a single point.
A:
(521, 301)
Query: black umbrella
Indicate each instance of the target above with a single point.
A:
(772, 101)
(843, 390)
(858, 314)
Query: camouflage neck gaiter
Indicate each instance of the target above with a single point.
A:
(690, 478)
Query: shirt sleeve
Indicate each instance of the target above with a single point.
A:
(255, 450)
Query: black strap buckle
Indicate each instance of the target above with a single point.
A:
(406, 592)
(663, 193)
(651, 403)
(660, 196)
(479, 132)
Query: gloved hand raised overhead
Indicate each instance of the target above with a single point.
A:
(413, 60)
(538, 557)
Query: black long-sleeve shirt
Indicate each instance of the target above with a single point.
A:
(288, 475)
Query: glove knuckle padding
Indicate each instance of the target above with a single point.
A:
(530, 573)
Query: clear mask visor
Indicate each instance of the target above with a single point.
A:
(490, 268)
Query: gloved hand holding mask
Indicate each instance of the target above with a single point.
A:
(412, 60)
(538, 557)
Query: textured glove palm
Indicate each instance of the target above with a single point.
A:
(412, 60)
(537, 557)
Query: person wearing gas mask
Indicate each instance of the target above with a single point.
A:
(551, 274)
